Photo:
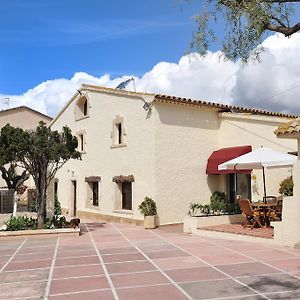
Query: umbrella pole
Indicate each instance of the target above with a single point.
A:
(264, 180)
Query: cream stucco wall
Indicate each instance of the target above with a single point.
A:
(257, 131)
(166, 150)
(101, 159)
(184, 138)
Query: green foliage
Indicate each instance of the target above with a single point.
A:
(42, 152)
(195, 209)
(24, 223)
(218, 205)
(56, 222)
(245, 24)
(21, 223)
(148, 207)
(33, 206)
(286, 186)
(57, 206)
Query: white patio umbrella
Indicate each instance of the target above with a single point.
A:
(260, 159)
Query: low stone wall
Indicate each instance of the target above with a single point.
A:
(190, 224)
(107, 218)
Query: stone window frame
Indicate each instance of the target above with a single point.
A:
(81, 147)
(79, 108)
(90, 181)
(115, 132)
(118, 180)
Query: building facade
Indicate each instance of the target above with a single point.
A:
(135, 145)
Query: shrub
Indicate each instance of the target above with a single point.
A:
(21, 223)
(286, 186)
(148, 207)
(57, 206)
(195, 209)
(33, 206)
(218, 202)
(218, 197)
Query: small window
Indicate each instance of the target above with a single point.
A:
(126, 195)
(81, 108)
(119, 133)
(85, 108)
(95, 189)
(81, 138)
(81, 142)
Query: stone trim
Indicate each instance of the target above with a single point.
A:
(122, 178)
(92, 179)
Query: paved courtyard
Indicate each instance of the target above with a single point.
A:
(118, 261)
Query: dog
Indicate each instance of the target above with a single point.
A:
(74, 223)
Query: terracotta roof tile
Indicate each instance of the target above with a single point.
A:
(219, 106)
(290, 127)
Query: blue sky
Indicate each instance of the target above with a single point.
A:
(43, 40)
(48, 48)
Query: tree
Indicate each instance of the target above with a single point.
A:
(42, 152)
(12, 179)
(246, 24)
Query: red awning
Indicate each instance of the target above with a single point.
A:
(225, 154)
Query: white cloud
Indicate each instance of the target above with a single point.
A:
(273, 84)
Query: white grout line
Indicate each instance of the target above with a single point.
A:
(214, 267)
(262, 262)
(12, 257)
(47, 290)
(155, 265)
(24, 270)
(79, 292)
(116, 297)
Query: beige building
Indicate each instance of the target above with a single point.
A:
(136, 144)
(25, 118)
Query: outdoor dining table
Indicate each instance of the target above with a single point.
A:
(265, 208)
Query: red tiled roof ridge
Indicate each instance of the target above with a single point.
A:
(232, 108)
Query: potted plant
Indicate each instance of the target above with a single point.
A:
(148, 210)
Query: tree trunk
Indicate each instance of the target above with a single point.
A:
(41, 200)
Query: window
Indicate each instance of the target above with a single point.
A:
(81, 141)
(238, 184)
(118, 133)
(82, 108)
(85, 108)
(123, 193)
(93, 192)
(126, 195)
(95, 188)
(81, 138)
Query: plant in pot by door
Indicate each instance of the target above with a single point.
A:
(148, 210)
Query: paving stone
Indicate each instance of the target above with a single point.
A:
(75, 271)
(21, 276)
(247, 269)
(26, 289)
(194, 274)
(78, 284)
(123, 257)
(136, 279)
(165, 292)
(272, 283)
(215, 289)
(96, 295)
(127, 267)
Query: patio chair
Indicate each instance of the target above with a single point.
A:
(278, 209)
(251, 215)
(270, 199)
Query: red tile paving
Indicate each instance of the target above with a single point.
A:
(125, 262)
(264, 232)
